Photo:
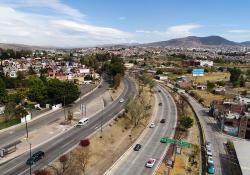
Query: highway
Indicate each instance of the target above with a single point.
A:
(133, 163)
(16, 133)
(61, 144)
(213, 135)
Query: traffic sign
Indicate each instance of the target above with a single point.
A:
(173, 141)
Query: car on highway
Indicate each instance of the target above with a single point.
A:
(152, 125)
(210, 159)
(160, 104)
(35, 157)
(150, 163)
(137, 147)
(209, 152)
(121, 100)
(163, 120)
(210, 168)
(208, 145)
(159, 90)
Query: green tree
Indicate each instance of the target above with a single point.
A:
(20, 112)
(117, 81)
(248, 74)
(37, 90)
(210, 85)
(9, 111)
(3, 92)
(186, 122)
(159, 72)
(234, 76)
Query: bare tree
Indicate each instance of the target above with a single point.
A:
(81, 158)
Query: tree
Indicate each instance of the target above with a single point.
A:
(3, 92)
(41, 172)
(20, 112)
(186, 122)
(159, 72)
(117, 81)
(248, 74)
(9, 111)
(221, 83)
(210, 85)
(234, 76)
(242, 81)
(82, 156)
(70, 115)
(37, 90)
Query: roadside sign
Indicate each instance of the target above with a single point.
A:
(178, 150)
(198, 72)
(173, 141)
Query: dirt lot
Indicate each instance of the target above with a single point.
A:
(107, 146)
(208, 97)
(213, 76)
(182, 164)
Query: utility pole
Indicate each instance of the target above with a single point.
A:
(26, 126)
(64, 108)
(30, 156)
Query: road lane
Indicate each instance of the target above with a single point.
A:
(61, 144)
(134, 162)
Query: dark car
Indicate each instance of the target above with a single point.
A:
(137, 147)
(159, 90)
(35, 157)
(160, 104)
(163, 120)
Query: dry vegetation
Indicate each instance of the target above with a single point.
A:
(107, 146)
(212, 76)
(188, 162)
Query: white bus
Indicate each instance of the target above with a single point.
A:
(82, 122)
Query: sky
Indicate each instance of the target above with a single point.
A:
(83, 23)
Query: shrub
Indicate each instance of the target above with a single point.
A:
(85, 143)
(63, 158)
(42, 172)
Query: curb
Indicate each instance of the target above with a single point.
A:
(50, 111)
(172, 135)
(129, 149)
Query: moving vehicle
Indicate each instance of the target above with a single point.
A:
(160, 104)
(121, 100)
(209, 152)
(152, 125)
(208, 145)
(210, 160)
(82, 122)
(210, 168)
(137, 147)
(150, 163)
(163, 120)
(35, 157)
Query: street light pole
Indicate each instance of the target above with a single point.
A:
(26, 126)
(64, 108)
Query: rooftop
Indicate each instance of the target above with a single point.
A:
(243, 154)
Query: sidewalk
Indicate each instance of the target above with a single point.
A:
(52, 130)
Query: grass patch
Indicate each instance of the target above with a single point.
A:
(9, 123)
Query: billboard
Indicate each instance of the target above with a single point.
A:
(198, 72)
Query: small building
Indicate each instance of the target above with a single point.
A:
(161, 77)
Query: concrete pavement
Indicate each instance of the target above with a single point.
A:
(58, 146)
(134, 162)
(14, 134)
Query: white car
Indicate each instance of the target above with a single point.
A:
(208, 145)
(209, 152)
(121, 100)
(152, 125)
(150, 163)
(210, 160)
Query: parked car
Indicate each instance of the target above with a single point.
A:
(209, 152)
(152, 125)
(137, 147)
(210, 168)
(35, 157)
(159, 90)
(121, 100)
(150, 163)
(210, 160)
(163, 120)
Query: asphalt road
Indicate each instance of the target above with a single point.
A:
(16, 133)
(61, 144)
(213, 135)
(133, 163)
